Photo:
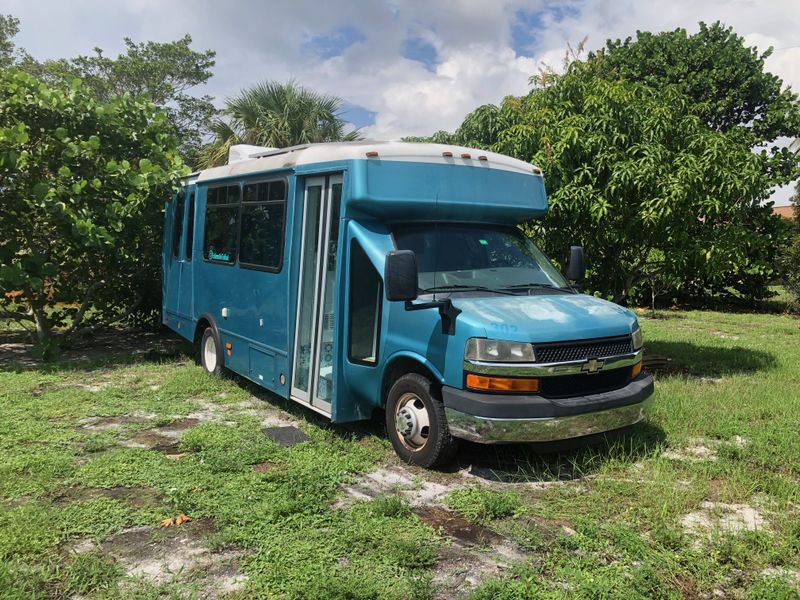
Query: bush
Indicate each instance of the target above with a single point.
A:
(84, 184)
(790, 264)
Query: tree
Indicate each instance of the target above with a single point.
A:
(658, 153)
(83, 186)
(276, 115)
(724, 80)
(634, 175)
(9, 27)
(790, 261)
(163, 72)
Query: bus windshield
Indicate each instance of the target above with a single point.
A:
(453, 258)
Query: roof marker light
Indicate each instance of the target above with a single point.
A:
(482, 157)
(372, 154)
(537, 171)
(466, 155)
(447, 154)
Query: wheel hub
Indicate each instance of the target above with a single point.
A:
(412, 421)
(406, 422)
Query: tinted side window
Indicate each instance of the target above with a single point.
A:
(263, 215)
(221, 224)
(366, 294)
(190, 228)
(177, 223)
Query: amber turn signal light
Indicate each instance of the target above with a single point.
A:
(636, 369)
(501, 384)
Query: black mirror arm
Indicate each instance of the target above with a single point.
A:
(447, 312)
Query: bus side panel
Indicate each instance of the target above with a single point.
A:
(165, 241)
(256, 303)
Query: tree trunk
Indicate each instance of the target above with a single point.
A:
(653, 300)
(40, 320)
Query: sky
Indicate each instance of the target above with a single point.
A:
(402, 67)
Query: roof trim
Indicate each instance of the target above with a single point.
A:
(308, 154)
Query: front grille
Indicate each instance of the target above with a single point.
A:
(563, 386)
(573, 351)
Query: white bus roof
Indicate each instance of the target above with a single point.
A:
(364, 150)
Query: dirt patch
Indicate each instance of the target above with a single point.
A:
(725, 518)
(161, 439)
(151, 439)
(137, 497)
(178, 425)
(456, 527)
(785, 573)
(211, 412)
(161, 555)
(264, 467)
(474, 553)
(699, 449)
(106, 423)
(93, 387)
(459, 572)
(222, 577)
(416, 490)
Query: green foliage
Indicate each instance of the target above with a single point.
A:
(480, 504)
(9, 27)
(84, 182)
(724, 80)
(162, 72)
(276, 115)
(90, 572)
(657, 154)
(603, 520)
(637, 179)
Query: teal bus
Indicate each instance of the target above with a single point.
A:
(392, 278)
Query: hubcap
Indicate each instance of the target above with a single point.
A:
(210, 354)
(412, 422)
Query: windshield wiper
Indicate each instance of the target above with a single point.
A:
(546, 286)
(457, 287)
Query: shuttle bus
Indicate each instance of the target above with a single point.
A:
(387, 276)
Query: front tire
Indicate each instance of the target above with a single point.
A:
(416, 423)
(211, 357)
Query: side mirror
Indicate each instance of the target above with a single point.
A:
(400, 276)
(576, 270)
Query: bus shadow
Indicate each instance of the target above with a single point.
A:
(106, 349)
(564, 460)
(698, 360)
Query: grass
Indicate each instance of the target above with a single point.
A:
(602, 521)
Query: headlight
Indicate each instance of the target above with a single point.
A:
(498, 351)
(636, 338)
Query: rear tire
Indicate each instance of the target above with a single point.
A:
(211, 357)
(416, 423)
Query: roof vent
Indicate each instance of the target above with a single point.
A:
(240, 152)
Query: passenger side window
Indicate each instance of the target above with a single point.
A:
(221, 224)
(177, 224)
(190, 228)
(263, 215)
(366, 294)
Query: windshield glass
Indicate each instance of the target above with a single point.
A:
(472, 256)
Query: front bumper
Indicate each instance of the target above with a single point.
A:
(497, 418)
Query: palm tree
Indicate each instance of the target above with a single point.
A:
(277, 115)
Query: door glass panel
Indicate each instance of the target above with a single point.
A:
(308, 285)
(325, 364)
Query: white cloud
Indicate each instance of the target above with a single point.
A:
(477, 64)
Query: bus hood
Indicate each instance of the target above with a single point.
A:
(543, 317)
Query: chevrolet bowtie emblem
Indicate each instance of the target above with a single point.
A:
(593, 366)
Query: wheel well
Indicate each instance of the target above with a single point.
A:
(399, 367)
(202, 325)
